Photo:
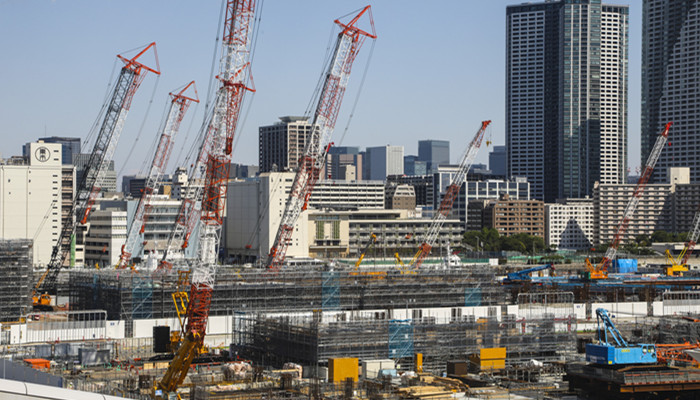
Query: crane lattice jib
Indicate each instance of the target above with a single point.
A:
(129, 80)
(205, 197)
(178, 107)
(348, 44)
(450, 194)
(610, 331)
(692, 240)
(634, 201)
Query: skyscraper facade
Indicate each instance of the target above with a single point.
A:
(566, 95)
(434, 153)
(280, 146)
(384, 161)
(671, 83)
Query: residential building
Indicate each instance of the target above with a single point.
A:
(474, 196)
(383, 161)
(400, 197)
(31, 193)
(106, 235)
(566, 95)
(282, 144)
(422, 187)
(510, 217)
(434, 153)
(671, 84)
(569, 224)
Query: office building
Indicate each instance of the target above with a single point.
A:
(110, 179)
(412, 166)
(671, 83)
(339, 158)
(69, 146)
(498, 162)
(434, 153)
(282, 144)
(383, 161)
(31, 193)
(566, 95)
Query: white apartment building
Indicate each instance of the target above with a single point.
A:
(31, 198)
(106, 235)
(255, 208)
(569, 224)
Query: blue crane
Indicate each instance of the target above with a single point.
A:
(612, 349)
(524, 275)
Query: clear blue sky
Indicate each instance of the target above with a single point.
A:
(437, 70)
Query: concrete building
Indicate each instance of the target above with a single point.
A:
(671, 84)
(69, 147)
(383, 161)
(106, 235)
(282, 144)
(434, 153)
(241, 171)
(110, 180)
(400, 197)
(31, 193)
(133, 185)
(344, 233)
(566, 95)
(474, 196)
(510, 217)
(422, 187)
(569, 224)
(339, 158)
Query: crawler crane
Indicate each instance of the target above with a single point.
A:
(679, 265)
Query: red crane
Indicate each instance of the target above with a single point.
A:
(348, 44)
(213, 160)
(132, 74)
(204, 199)
(600, 271)
(179, 104)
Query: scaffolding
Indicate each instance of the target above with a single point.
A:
(16, 270)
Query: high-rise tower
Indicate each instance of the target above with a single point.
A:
(566, 95)
(671, 83)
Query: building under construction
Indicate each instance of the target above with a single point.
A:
(16, 269)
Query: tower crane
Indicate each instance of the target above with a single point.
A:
(179, 104)
(450, 195)
(132, 74)
(600, 271)
(679, 265)
(214, 159)
(348, 44)
(204, 199)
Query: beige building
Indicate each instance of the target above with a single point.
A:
(31, 198)
(510, 217)
(281, 145)
(106, 235)
(569, 224)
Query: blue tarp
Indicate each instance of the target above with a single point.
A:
(624, 266)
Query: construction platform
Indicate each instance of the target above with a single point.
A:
(634, 382)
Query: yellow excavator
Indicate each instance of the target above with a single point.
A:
(677, 266)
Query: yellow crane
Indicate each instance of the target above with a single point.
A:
(676, 266)
(372, 241)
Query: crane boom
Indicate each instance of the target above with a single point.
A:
(600, 271)
(692, 240)
(179, 104)
(348, 44)
(214, 159)
(129, 80)
(205, 198)
(450, 194)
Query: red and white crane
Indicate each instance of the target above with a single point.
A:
(211, 169)
(204, 199)
(129, 80)
(179, 104)
(600, 271)
(448, 199)
(348, 44)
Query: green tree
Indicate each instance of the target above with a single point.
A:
(661, 237)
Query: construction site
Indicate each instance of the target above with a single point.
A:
(183, 322)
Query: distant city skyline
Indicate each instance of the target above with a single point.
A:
(458, 83)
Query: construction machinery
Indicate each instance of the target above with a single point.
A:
(372, 241)
(179, 104)
(214, 159)
(348, 44)
(448, 199)
(524, 275)
(676, 266)
(600, 271)
(204, 198)
(132, 74)
(612, 349)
